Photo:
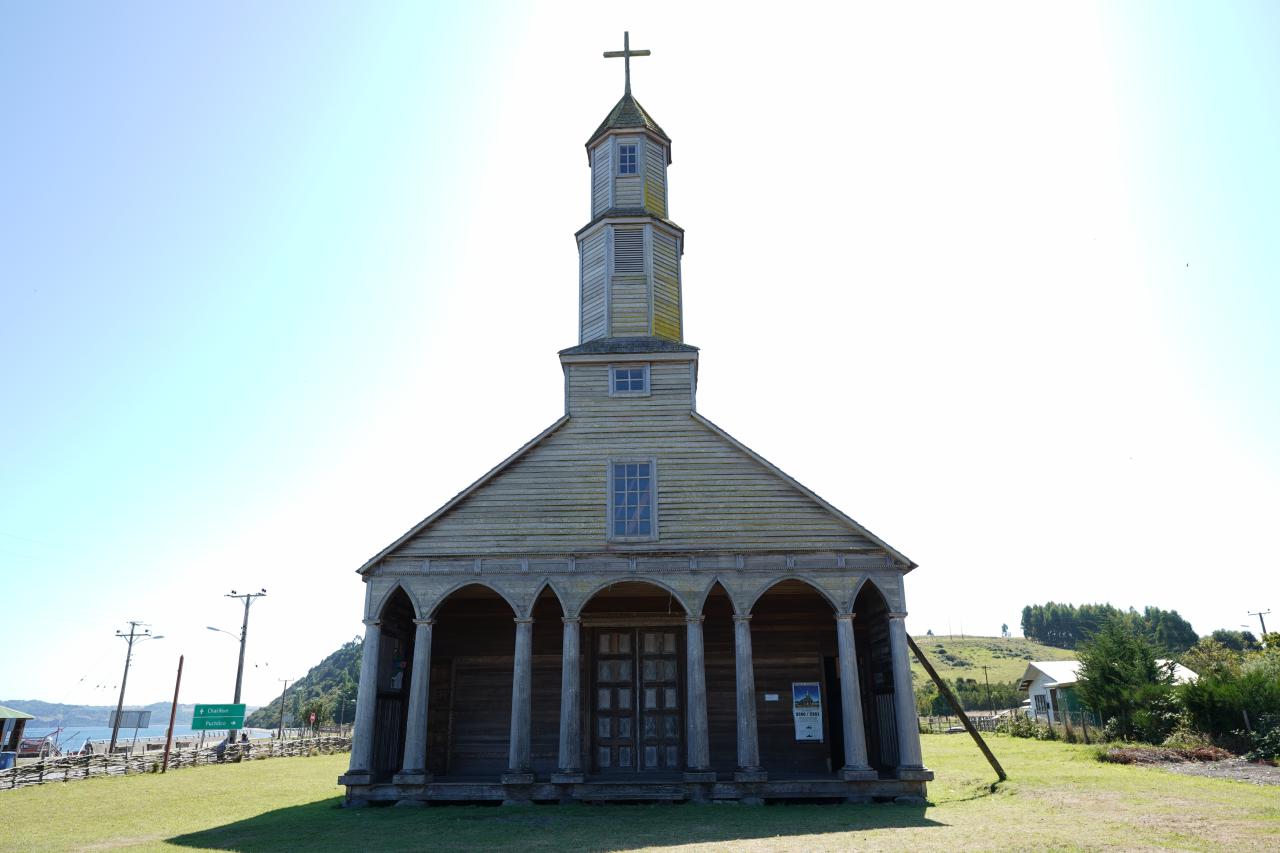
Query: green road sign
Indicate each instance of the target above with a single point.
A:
(218, 717)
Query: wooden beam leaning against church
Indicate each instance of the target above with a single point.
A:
(634, 605)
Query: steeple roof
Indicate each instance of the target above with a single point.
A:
(627, 114)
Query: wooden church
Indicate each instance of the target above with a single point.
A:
(634, 605)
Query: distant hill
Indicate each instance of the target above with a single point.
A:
(328, 689)
(1005, 659)
(51, 714)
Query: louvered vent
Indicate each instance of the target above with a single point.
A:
(628, 251)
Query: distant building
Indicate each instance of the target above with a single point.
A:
(1050, 686)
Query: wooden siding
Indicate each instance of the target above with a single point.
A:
(601, 174)
(710, 494)
(593, 266)
(666, 286)
(655, 178)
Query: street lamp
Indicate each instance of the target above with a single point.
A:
(130, 638)
(248, 598)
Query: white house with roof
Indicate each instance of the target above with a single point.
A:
(1050, 686)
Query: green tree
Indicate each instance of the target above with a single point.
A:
(1121, 681)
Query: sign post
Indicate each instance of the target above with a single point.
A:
(229, 716)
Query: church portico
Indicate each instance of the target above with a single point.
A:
(634, 605)
(673, 687)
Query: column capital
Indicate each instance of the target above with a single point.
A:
(369, 623)
(427, 622)
(840, 617)
(897, 614)
(523, 620)
(694, 618)
(741, 617)
(571, 620)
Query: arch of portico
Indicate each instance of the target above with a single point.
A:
(537, 622)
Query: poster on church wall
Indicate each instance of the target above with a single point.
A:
(806, 708)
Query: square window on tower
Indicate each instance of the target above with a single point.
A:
(629, 379)
(626, 159)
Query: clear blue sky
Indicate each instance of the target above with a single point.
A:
(276, 281)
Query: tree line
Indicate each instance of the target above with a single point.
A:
(1067, 626)
(328, 690)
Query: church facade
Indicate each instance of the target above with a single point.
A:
(634, 605)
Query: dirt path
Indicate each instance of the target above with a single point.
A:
(1232, 768)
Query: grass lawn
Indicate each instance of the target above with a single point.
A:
(1059, 797)
(1006, 659)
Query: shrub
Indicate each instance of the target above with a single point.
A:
(1266, 746)
(1218, 701)
(1121, 680)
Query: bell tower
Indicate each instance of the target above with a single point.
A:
(629, 253)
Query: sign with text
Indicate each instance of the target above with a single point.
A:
(218, 717)
(806, 708)
(131, 719)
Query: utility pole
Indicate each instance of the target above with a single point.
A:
(280, 733)
(173, 716)
(1261, 621)
(134, 636)
(248, 598)
(990, 705)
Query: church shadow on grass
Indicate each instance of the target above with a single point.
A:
(325, 825)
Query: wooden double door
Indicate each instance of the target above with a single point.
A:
(636, 701)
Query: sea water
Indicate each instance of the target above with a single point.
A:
(71, 738)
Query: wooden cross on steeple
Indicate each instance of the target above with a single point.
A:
(626, 53)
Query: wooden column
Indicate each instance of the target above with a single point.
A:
(519, 770)
(904, 700)
(366, 703)
(570, 764)
(414, 768)
(855, 741)
(698, 758)
(749, 769)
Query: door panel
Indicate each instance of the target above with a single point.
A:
(636, 701)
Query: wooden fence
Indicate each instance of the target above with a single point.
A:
(69, 768)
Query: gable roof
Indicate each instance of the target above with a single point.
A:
(820, 506)
(807, 492)
(627, 114)
(462, 495)
(1065, 673)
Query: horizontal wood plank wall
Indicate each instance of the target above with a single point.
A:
(629, 306)
(666, 286)
(601, 175)
(477, 637)
(593, 258)
(790, 636)
(655, 178)
(721, 678)
(628, 190)
(710, 494)
(548, 643)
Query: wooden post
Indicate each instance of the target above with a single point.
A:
(173, 715)
(698, 751)
(955, 703)
(570, 756)
(749, 769)
(413, 769)
(855, 743)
